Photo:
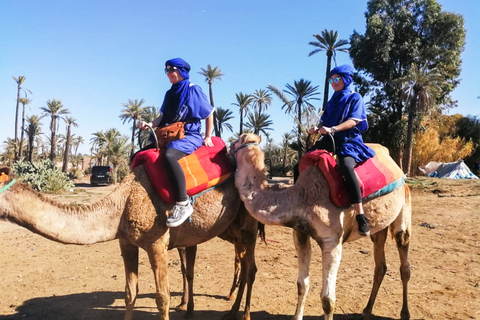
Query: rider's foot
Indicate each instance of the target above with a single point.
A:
(363, 228)
(180, 213)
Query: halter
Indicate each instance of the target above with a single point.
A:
(243, 146)
(5, 188)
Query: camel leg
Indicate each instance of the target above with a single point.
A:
(191, 254)
(130, 262)
(236, 273)
(248, 268)
(157, 254)
(331, 256)
(403, 246)
(183, 265)
(304, 253)
(378, 239)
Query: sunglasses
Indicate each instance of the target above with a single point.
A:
(170, 70)
(334, 80)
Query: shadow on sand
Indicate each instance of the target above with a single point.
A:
(98, 306)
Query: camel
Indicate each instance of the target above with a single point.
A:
(307, 209)
(135, 215)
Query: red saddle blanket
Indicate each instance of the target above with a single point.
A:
(205, 168)
(373, 174)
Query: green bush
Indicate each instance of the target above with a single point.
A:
(42, 176)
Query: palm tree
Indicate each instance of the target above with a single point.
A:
(259, 122)
(133, 111)
(261, 99)
(116, 150)
(54, 109)
(210, 76)
(66, 153)
(243, 101)
(76, 142)
(9, 154)
(20, 80)
(223, 116)
(24, 102)
(143, 136)
(302, 93)
(286, 140)
(420, 87)
(33, 131)
(98, 142)
(327, 41)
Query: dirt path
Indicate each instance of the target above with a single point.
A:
(41, 279)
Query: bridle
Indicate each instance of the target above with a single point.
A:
(5, 188)
(241, 147)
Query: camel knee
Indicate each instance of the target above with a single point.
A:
(405, 272)
(402, 239)
(163, 303)
(303, 286)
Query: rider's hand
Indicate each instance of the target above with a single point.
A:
(313, 129)
(208, 141)
(144, 125)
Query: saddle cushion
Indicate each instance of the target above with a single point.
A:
(373, 174)
(205, 168)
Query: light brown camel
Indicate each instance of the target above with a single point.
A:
(135, 215)
(306, 207)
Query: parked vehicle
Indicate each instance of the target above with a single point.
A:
(101, 175)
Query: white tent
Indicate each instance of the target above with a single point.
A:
(448, 170)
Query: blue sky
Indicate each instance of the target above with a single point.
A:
(95, 55)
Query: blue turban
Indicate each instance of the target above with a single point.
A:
(182, 66)
(345, 71)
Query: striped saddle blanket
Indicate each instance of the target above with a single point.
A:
(377, 176)
(205, 168)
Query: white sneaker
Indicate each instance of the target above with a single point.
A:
(180, 213)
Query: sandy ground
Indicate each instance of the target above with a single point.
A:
(42, 279)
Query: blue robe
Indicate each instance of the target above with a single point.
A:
(186, 102)
(345, 105)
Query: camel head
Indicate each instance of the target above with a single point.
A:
(246, 149)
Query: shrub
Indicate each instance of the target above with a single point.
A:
(42, 176)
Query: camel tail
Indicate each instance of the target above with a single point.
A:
(261, 232)
(403, 236)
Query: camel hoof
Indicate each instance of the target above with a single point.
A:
(181, 307)
(189, 315)
(230, 297)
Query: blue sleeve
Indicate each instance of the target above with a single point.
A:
(357, 111)
(199, 107)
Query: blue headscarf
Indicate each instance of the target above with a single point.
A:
(178, 94)
(345, 71)
(182, 66)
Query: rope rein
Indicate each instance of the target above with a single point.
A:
(5, 188)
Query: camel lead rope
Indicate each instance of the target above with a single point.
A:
(5, 188)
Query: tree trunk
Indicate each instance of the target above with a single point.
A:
(53, 140)
(16, 121)
(20, 151)
(66, 153)
(215, 124)
(407, 157)
(327, 85)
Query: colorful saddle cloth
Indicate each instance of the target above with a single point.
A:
(205, 168)
(377, 176)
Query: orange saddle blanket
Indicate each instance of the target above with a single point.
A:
(375, 174)
(205, 168)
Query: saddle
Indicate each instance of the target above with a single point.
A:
(205, 168)
(377, 176)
